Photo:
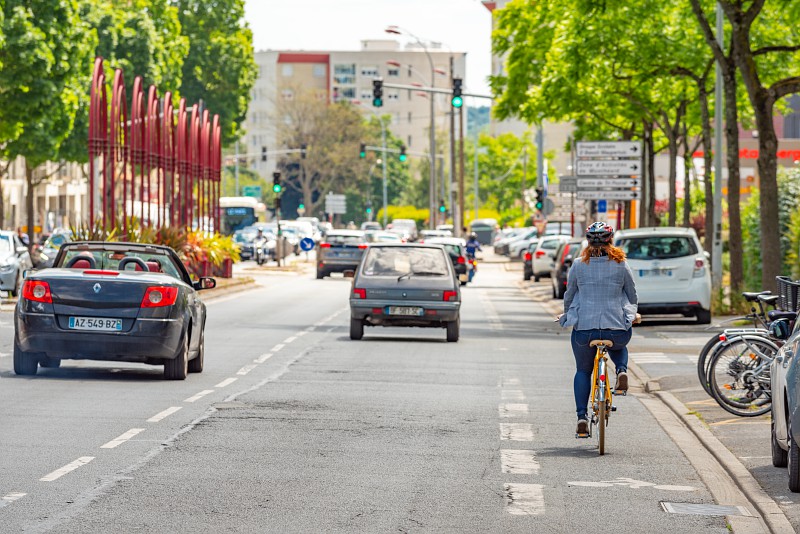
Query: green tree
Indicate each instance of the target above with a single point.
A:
(220, 67)
(48, 48)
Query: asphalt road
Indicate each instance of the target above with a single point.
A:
(292, 427)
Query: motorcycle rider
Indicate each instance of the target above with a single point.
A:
(472, 246)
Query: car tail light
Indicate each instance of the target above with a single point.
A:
(461, 260)
(362, 246)
(699, 267)
(324, 245)
(540, 253)
(450, 296)
(359, 293)
(694, 303)
(102, 273)
(158, 296)
(377, 311)
(528, 256)
(37, 291)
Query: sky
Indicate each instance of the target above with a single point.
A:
(461, 25)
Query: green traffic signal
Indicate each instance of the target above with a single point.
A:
(457, 102)
(539, 205)
(301, 206)
(369, 210)
(442, 209)
(403, 157)
(276, 188)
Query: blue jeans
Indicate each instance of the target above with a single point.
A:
(584, 360)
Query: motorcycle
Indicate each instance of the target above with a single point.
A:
(261, 252)
(472, 267)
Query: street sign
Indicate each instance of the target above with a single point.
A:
(610, 195)
(602, 206)
(306, 244)
(594, 183)
(567, 188)
(609, 167)
(609, 149)
(251, 191)
(548, 207)
(336, 204)
(567, 184)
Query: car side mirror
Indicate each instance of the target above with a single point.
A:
(349, 274)
(205, 282)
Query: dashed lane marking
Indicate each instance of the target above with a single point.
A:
(509, 382)
(116, 442)
(512, 394)
(199, 396)
(11, 497)
(516, 431)
(246, 369)
(289, 339)
(226, 382)
(518, 462)
(162, 415)
(263, 358)
(72, 466)
(513, 410)
(524, 499)
(301, 333)
(277, 347)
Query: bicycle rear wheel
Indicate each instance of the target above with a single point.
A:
(704, 362)
(739, 376)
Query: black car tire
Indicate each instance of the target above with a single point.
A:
(526, 275)
(703, 316)
(453, 328)
(356, 329)
(17, 285)
(320, 274)
(25, 363)
(178, 367)
(196, 363)
(794, 464)
(555, 294)
(536, 278)
(559, 293)
(50, 363)
(780, 457)
(463, 283)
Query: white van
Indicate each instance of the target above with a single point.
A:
(671, 271)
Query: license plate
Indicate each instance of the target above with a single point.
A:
(95, 323)
(405, 310)
(654, 272)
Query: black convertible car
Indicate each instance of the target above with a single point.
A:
(111, 301)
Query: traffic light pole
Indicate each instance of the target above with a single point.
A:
(385, 186)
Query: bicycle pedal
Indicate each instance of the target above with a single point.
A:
(621, 393)
(582, 436)
(613, 408)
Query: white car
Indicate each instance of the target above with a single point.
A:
(543, 254)
(670, 269)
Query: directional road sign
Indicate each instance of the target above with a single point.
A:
(306, 244)
(568, 184)
(594, 183)
(251, 191)
(610, 195)
(609, 149)
(335, 203)
(602, 206)
(610, 167)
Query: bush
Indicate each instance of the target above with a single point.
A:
(420, 216)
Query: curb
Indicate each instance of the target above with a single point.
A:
(738, 474)
(235, 287)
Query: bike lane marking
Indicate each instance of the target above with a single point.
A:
(72, 466)
(519, 462)
(11, 497)
(246, 369)
(263, 358)
(162, 415)
(199, 396)
(226, 382)
(516, 432)
(513, 410)
(116, 442)
(512, 394)
(524, 499)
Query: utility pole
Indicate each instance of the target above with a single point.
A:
(524, 179)
(236, 169)
(716, 249)
(452, 176)
(476, 201)
(461, 171)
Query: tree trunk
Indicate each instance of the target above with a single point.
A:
(687, 181)
(735, 245)
(771, 258)
(673, 176)
(29, 214)
(708, 147)
(651, 180)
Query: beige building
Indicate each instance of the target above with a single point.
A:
(348, 75)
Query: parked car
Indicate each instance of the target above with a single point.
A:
(501, 246)
(14, 260)
(341, 251)
(405, 285)
(541, 254)
(514, 247)
(112, 301)
(564, 256)
(46, 254)
(671, 271)
(785, 389)
(457, 250)
(405, 227)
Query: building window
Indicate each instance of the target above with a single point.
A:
(369, 72)
(347, 92)
(319, 71)
(409, 142)
(409, 117)
(287, 70)
(366, 95)
(393, 72)
(394, 95)
(344, 74)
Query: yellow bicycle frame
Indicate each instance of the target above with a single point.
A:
(601, 354)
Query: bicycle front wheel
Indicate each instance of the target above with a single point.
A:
(602, 419)
(739, 376)
(704, 362)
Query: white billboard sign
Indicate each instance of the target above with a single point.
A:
(609, 149)
(608, 195)
(609, 167)
(594, 183)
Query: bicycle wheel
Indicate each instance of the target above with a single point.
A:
(602, 420)
(739, 375)
(704, 361)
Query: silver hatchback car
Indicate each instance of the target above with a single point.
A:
(405, 285)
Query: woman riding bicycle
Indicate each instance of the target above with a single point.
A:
(600, 303)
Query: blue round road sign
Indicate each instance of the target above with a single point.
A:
(306, 244)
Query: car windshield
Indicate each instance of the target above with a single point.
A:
(244, 237)
(5, 243)
(657, 247)
(110, 260)
(345, 239)
(399, 261)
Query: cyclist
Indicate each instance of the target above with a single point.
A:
(600, 303)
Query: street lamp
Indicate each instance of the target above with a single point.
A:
(397, 30)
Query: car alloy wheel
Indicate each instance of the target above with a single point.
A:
(178, 367)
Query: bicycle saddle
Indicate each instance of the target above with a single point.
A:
(769, 299)
(602, 343)
(775, 315)
(752, 297)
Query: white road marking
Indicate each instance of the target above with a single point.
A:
(518, 462)
(630, 483)
(301, 333)
(516, 431)
(161, 415)
(199, 395)
(510, 382)
(311, 328)
(58, 473)
(524, 499)
(5, 355)
(122, 439)
(513, 410)
(289, 339)
(226, 382)
(246, 369)
(277, 347)
(263, 358)
(512, 394)
(11, 497)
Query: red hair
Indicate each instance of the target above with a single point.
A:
(596, 251)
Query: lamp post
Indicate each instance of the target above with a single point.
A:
(396, 30)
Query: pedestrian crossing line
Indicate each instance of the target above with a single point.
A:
(516, 432)
(116, 442)
(72, 466)
(518, 462)
(524, 499)
(513, 410)
(512, 394)
(652, 357)
(11, 497)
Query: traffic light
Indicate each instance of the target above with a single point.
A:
(276, 182)
(263, 153)
(362, 151)
(403, 156)
(457, 101)
(442, 207)
(301, 206)
(303, 150)
(539, 198)
(369, 207)
(377, 92)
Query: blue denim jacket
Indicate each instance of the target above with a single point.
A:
(600, 294)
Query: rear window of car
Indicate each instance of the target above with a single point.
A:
(110, 260)
(657, 247)
(550, 244)
(396, 261)
(344, 240)
(453, 250)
